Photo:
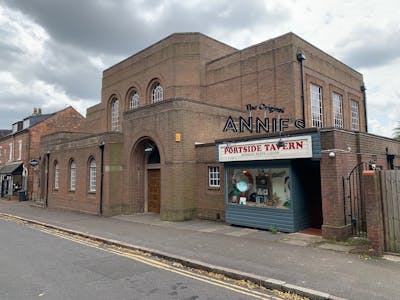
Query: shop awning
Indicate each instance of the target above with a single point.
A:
(12, 169)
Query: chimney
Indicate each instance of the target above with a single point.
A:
(34, 111)
(39, 111)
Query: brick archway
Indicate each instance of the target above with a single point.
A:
(145, 177)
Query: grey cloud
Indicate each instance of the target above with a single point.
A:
(118, 27)
(70, 69)
(113, 30)
(376, 48)
(15, 108)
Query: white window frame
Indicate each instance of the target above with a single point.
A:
(25, 124)
(92, 175)
(56, 176)
(337, 100)
(316, 106)
(19, 150)
(157, 93)
(115, 114)
(355, 115)
(11, 153)
(214, 178)
(72, 178)
(134, 100)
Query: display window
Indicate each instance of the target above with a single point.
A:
(260, 187)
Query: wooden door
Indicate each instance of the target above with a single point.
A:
(153, 190)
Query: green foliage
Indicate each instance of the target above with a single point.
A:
(273, 230)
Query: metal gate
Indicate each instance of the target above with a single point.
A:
(353, 198)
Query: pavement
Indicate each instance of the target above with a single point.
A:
(303, 263)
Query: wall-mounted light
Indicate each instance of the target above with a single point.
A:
(332, 154)
(280, 144)
(300, 56)
(148, 149)
(372, 165)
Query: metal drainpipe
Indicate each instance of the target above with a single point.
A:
(101, 146)
(363, 90)
(47, 178)
(300, 58)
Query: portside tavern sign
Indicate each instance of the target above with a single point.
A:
(258, 125)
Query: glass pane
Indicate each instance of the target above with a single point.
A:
(263, 187)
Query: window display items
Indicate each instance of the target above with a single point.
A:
(264, 187)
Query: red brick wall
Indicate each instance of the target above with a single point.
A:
(350, 149)
(209, 200)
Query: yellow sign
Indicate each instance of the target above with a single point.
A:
(178, 137)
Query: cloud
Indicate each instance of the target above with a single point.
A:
(55, 51)
(52, 53)
(120, 27)
(374, 47)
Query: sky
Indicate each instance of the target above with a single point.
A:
(53, 52)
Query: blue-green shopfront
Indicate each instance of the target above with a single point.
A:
(273, 183)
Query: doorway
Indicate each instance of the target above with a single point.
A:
(309, 176)
(145, 190)
(154, 190)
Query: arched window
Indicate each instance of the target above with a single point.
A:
(157, 92)
(56, 175)
(72, 172)
(115, 114)
(134, 100)
(92, 175)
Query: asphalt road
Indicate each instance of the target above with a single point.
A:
(38, 265)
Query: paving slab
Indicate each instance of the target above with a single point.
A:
(262, 254)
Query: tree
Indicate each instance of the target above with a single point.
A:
(396, 132)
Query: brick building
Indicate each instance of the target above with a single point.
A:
(19, 149)
(191, 127)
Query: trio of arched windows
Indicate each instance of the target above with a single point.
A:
(156, 95)
(72, 175)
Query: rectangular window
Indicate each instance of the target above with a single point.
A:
(73, 176)
(355, 121)
(260, 187)
(92, 176)
(25, 124)
(11, 153)
(337, 110)
(214, 180)
(57, 177)
(316, 105)
(19, 150)
(1, 152)
(15, 128)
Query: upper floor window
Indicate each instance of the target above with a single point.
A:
(115, 114)
(134, 100)
(25, 124)
(11, 152)
(213, 177)
(19, 150)
(72, 179)
(316, 105)
(337, 110)
(56, 176)
(157, 92)
(355, 118)
(92, 175)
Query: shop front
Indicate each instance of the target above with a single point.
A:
(268, 183)
(11, 179)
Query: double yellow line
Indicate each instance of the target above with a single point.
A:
(159, 264)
